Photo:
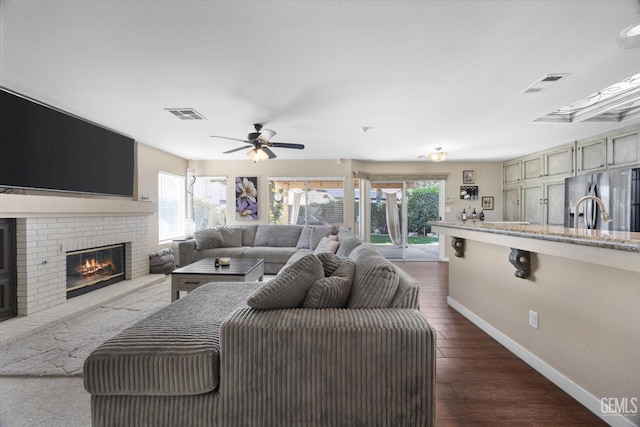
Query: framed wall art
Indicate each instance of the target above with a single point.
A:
(247, 198)
(469, 177)
(487, 203)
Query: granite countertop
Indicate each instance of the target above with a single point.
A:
(619, 240)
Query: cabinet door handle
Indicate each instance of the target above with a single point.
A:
(541, 202)
(191, 283)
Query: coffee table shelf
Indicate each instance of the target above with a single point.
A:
(204, 271)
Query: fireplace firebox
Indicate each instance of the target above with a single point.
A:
(94, 268)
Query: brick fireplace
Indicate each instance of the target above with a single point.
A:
(43, 244)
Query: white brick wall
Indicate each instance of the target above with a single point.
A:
(42, 244)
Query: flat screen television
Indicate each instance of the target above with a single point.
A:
(47, 149)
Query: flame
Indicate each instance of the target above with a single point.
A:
(92, 266)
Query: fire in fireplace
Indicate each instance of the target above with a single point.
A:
(91, 269)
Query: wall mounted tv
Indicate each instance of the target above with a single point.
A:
(47, 149)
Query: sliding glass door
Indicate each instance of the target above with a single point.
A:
(399, 212)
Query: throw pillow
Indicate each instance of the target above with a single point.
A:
(332, 291)
(348, 242)
(327, 245)
(317, 233)
(305, 236)
(232, 236)
(374, 284)
(208, 238)
(289, 288)
(280, 236)
(330, 262)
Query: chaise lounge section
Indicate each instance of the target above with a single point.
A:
(355, 353)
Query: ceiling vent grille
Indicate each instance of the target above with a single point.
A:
(544, 83)
(186, 113)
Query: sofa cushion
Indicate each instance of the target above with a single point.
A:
(332, 291)
(289, 288)
(277, 255)
(330, 262)
(317, 233)
(375, 282)
(232, 236)
(175, 351)
(326, 245)
(249, 234)
(305, 238)
(348, 242)
(278, 235)
(208, 238)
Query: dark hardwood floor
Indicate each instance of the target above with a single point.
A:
(479, 382)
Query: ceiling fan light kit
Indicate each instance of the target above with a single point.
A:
(438, 155)
(260, 140)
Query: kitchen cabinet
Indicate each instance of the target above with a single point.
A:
(543, 204)
(512, 172)
(623, 150)
(592, 155)
(511, 200)
(554, 203)
(559, 163)
(532, 204)
(532, 168)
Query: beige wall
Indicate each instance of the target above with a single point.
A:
(588, 314)
(488, 180)
(150, 161)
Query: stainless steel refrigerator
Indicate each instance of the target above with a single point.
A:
(618, 189)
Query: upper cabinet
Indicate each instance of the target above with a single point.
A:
(559, 163)
(532, 168)
(512, 172)
(623, 150)
(592, 155)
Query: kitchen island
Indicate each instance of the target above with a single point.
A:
(580, 291)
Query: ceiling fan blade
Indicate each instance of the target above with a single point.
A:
(266, 135)
(286, 145)
(232, 139)
(271, 154)
(234, 150)
(253, 136)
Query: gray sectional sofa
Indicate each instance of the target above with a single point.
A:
(273, 243)
(330, 341)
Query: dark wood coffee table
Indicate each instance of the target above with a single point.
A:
(204, 271)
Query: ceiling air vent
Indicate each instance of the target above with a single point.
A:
(185, 113)
(544, 83)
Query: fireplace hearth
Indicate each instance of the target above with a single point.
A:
(94, 268)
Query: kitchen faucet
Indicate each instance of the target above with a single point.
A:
(605, 215)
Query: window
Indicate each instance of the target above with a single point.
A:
(171, 189)
(306, 201)
(209, 202)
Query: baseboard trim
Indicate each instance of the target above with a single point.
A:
(587, 399)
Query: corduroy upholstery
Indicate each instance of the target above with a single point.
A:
(283, 367)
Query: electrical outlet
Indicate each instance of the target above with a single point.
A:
(533, 319)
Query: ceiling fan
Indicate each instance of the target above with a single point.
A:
(260, 140)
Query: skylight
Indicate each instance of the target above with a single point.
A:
(615, 103)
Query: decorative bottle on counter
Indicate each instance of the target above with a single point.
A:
(216, 262)
(464, 214)
(481, 215)
(474, 215)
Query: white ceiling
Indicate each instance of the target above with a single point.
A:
(419, 74)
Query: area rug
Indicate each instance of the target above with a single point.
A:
(61, 349)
